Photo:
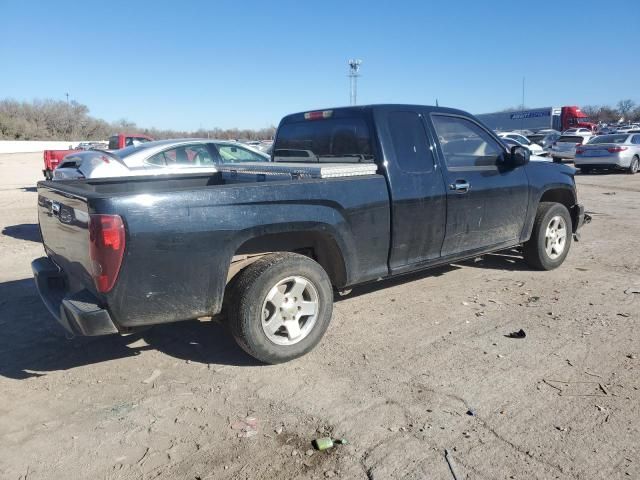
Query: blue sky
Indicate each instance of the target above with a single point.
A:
(225, 64)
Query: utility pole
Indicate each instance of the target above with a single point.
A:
(67, 98)
(354, 68)
(522, 107)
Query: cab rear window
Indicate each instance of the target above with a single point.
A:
(333, 140)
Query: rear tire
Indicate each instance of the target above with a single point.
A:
(633, 167)
(551, 237)
(280, 307)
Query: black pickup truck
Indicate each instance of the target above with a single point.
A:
(420, 186)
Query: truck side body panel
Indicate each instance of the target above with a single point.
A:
(180, 243)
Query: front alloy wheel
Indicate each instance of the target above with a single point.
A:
(555, 237)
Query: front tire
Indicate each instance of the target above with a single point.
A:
(633, 167)
(280, 307)
(551, 237)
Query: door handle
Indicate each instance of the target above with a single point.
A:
(460, 186)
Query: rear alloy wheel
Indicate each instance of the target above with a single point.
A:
(290, 310)
(280, 307)
(635, 164)
(551, 237)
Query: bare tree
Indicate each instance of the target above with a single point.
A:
(58, 120)
(625, 106)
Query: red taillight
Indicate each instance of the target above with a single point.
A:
(107, 239)
(319, 115)
(616, 149)
(579, 151)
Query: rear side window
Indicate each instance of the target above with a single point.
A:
(113, 143)
(410, 142)
(184, 155)
(333, 140)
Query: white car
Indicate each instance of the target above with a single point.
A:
(509, 142)
(534, 148)
(565, 146)
(578, 131)
(156, 158)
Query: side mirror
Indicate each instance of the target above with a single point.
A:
(519, 156)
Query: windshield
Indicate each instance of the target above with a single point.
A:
(609, 139)
(336, 140)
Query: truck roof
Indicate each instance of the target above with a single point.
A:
(343, 111)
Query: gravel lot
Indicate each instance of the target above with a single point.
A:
(396, 373)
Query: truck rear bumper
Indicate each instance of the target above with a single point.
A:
(79, 313)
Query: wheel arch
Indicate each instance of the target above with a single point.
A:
(318, 245)
(565, 196)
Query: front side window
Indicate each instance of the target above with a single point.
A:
(235, 153)
(465, 145)
(410, 142)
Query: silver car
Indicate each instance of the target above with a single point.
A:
(157, 158)
(618, 151)
(565, 147)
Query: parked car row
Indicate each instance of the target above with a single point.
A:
(619, 150)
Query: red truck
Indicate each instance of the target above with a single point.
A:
(52, 158)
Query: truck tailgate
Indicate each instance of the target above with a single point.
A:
(64, 225)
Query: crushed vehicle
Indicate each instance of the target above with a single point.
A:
(161, 157)
(353, 195)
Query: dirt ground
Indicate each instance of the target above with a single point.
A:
(396, 374)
